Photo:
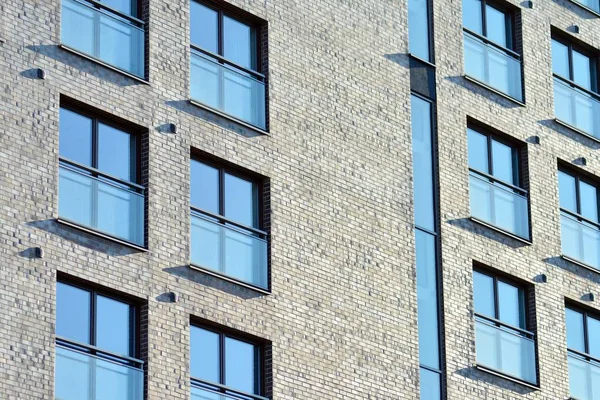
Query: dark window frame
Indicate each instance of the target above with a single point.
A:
(585, 313)
(593, 55)
(579, 177)
(220, 387)
(510, 26)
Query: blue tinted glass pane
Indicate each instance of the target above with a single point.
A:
(238, 43)
(430, 385)
(594, 336)
(427, 300)
(483, 294)
(582, 70)
(589, 201)
(566, 191)
(73, 313)
(496, 26)
(240, 365)
(478, 151)
(575, 330)
(560, 59)
(114, 152)
(422, 163)
(241, 200)
(113, 326)
(472, 18)
(125, 6)
(511, 305)
(204, 354)
(204, 187)
(75, 141)
(502, 156)
(204, 27)
(418, 28)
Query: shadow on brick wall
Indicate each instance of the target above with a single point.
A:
(471, 226)
(573, 268)
(580, 11)
(483, 91)
(563, 130)
(475, 374)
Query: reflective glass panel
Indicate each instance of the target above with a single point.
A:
(575, 330)
(582, 70)
(238, 43)
(472, 18)
(566, 191)
(422, 163)
(510, 305)
(496, 26)
(418, 28)
(204, 27)
(125, 6)
(115, 152)
(204, 354)
(73, 313)
(240, 365)
(589, 201)
(75, 142)
(430, 385)
(560, 59)
(204, 187)
(478, 151)
(503, 160)
(241, 200)
(593, 326)
(483, 293)
(113, 325)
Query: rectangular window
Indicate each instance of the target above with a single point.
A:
(583, 344)
(224, 366)
(419, 29)
(576, 99)
(592, 5)
(496, 188)
(490, 53)
(226, 64)
(97, 346)
(99, 177)
(107, 30)
(503, 342)
(580, 227)
(227, 235)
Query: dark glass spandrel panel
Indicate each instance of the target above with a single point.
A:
(240, 365)
(430, 385)
(113, 325)
(593, 325)
(503, 159)
(418, 28)
(204, 187)
(204, 355)
(582, 70)
(560, 59)
(75, 142)
(566, 191)
(115, 152)
(575, 330)
(422, 163)
(483, 294)
(204, 27)
(128, 7)
(478, 151)
(472, 18)
(511, 305)
(239, 43)
(589, 201)
(429, 354)
(241, 198)
(73, 313)
(496, 26)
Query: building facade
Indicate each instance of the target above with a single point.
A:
(299, 200)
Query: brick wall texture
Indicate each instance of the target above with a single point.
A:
(341, 318)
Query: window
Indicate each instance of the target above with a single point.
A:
(227, 235)
(583, 344)
(503, 342)
(576, 100)
(590, 5)
(97, 347)
(580, 227)
(223, 365)
(226, 64)
(418, 29)
(107, 30)
(98, 177)
(496, 189)
(490, 53)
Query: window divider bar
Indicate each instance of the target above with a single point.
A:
(68, 343)
(476, 35)
(569, 82)
(102, 6)
(223, 219)
(496, 180)
(202, 384)
(505, 325)
(580, 218)
(92, 170)
(226, 61)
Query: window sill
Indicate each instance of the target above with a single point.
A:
(100, 234)
(496, 91)
(230, 118)
(100, 62)
(577, 130)
(596, 13)
(507, 377)
(230, 279)
(580, 263)
(502, 231)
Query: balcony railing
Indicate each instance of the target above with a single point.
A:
(508, 350)
(499, 204)
(577, 106)
(95, 200)
(584, 377)
(228, 248)
(211, 391)
(105, 34)
(580, 239)
(493, 65)
(79, 375)
(228, 88)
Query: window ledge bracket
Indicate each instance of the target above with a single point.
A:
(230, 118)
(579, 263)
(507, 377)
(229, 279)
(102, 235)
(502, 231)
(576, 130)
(496, 91)
(100, 62)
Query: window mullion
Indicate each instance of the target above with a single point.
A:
(222, 379)
(586, 344)
(483, 18)
(496, 300)
(93, 315)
